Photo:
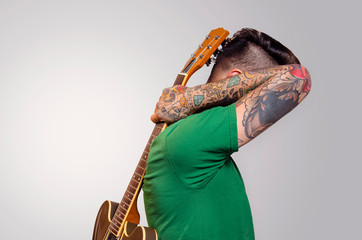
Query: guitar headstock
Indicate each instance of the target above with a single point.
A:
(205, 50)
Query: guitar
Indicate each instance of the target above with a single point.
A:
(120, 220)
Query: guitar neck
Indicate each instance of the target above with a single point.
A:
(135, 183)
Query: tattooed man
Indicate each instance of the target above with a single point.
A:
(192, 187)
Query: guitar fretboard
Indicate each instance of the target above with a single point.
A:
(137, 177)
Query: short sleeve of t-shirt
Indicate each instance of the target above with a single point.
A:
(198, 146)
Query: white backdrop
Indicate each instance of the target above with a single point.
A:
(79, 80)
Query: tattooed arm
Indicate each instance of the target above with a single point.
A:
(262, 97)
(269, 102)
(179, 102)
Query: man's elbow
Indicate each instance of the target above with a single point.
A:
(301, 74)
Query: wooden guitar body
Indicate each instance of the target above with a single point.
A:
(131, 230)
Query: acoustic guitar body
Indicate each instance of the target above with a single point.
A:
(130, 232)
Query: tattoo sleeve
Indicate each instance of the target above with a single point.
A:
(228, 91)
(261, 91)
(269, 102)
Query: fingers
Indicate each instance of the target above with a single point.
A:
(154, 118)
(168, 97)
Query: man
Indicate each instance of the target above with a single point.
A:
(192, 187)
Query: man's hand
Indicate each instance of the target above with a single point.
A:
(173, 105)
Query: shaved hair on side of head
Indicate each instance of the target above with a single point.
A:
(250, 49)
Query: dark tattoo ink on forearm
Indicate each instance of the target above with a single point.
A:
(274, 99)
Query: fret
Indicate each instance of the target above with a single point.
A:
(145, 154)
(158, 126)
(113, 229)
(121, 215)
(115, 226)
(137, 174)
(117, 222)
(142, 164)
(125, 201)
(157, 129)
(124, 205)
(152, 137)
(118, 218)
(134, 184)
(155, 132)
(138, 179)
(129, 198)
(139, 171)
(135, 181)
(129, 192)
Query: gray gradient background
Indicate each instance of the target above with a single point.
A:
(79, 80)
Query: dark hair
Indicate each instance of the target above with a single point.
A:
(250, 49)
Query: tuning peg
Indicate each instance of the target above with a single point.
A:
(211, 60)
(200, 46)
(208, 62)
(201, 56)
(217, 37)
(207, 36)
(208, 46)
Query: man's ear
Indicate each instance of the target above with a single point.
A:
(235, 71)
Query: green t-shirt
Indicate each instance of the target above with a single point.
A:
(192, 187)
